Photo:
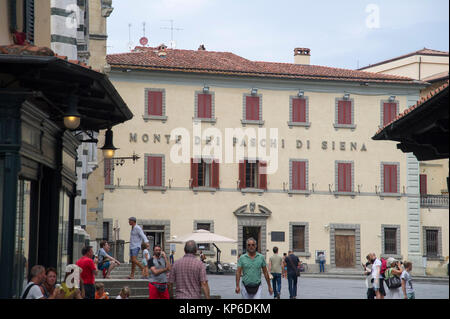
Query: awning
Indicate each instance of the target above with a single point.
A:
(52, 79)
(423, 128)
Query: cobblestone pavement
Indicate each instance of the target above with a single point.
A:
(323, 288)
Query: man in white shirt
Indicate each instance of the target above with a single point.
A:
(137, 236)
(376, 269)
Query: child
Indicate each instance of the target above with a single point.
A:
(407, 287)
(145, 258)
(124, 293)
(100, 291)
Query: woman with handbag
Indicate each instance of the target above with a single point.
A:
(392, 279)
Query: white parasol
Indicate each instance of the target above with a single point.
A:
(202, 236)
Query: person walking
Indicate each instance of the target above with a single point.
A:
(322, 262)
(89, 271)
(368, 273)
(407, 286)
(394, 270)
(32, 289)
(250, 266)
(292, 263)
(159, 265)
(275, 268)
(137, 236)
(378, 284)
(106, 262)
(172, 258)
(284, 275)
(189, 275)
(145, 258)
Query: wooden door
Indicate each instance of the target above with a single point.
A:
(345, 251)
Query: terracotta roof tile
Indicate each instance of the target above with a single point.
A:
(227, 63)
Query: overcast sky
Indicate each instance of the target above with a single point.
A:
(339, 33)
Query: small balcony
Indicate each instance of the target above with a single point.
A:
(434, 201)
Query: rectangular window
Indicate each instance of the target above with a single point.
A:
(344, 112)
(205, 226)
(109, 171)
(154, 171)
(204, 173)
(299, 176)
(345, 177)
(155, 103)
(389, 112)
(252, 174)
(298, 110)
(390, 178)
(298, 238)
(106, 231)
(432, 242)
(390, 241)
(423, 184)
(204, 106)
(252, 108)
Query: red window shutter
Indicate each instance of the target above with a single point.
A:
(390, 178)
(215, 174)
(299, 175)
(299, 110)
(344, 112)
(252, 108)
(204, 106)
(423, 184)
(389, 112)
(155, 103)
(344, 177)
(242, 174)
(194, 173)
(262, 169)
(155, 171)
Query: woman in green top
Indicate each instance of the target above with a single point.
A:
(394, 269)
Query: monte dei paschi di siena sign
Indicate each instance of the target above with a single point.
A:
(158, 138)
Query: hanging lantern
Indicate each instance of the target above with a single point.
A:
(72, 118)
(108, 149)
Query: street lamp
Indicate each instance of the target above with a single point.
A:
(108, 149)
(72, 118)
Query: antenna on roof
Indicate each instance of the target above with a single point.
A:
(172, 42)
(130, 43)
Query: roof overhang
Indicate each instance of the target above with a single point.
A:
(423, 130)
(55, 79)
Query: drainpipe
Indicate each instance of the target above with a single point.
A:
(420, 62)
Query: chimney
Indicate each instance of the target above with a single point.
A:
(201, 48)
(302, 56)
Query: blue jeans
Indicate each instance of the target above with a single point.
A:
(276, 284)
(322, 266)
(292, 282)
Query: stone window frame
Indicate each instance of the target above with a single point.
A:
(382, 110)
(357, 229)
(336, 178)
(336, 125)
(291, 123)
(398, 254)
(211, 227)
(305, 253)
(213, 118)
(244, 121)
(439, 257)
(148, 117)
(163, 172)
(292, 191)
(110, 222)
(383, 193)
(158, 222)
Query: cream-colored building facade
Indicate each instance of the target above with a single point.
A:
(430, 66)
(343, 225)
